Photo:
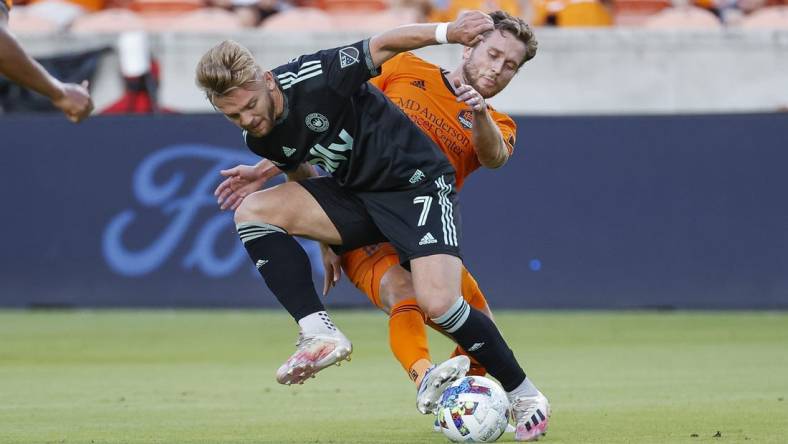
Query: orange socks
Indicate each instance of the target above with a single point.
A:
(408, 338)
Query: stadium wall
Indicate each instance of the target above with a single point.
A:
(576, 71)
(591, 212)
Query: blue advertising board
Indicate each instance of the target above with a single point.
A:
(591, 212)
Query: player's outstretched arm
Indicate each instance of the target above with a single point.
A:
(467, 30)
(73, 100)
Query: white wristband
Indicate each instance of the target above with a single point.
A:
(441, 32)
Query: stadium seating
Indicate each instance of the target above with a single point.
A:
(352, 5)
(313, 19)
(367, 21)
(108, 21)
(207, 20)
(770, 17)
(683, 17)
(158, 7)
(20, 22)
(583, 13)
(635, 12)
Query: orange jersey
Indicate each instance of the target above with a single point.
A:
(422, 91)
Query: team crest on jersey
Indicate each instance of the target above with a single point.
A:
(348, 56)
(465, 118)
(317, 122)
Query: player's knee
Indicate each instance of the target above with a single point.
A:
(395, 286)
(259, 207)
(436, 305)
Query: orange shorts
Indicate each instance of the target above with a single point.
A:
(366, 266)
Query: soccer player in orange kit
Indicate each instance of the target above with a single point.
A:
(470, 138)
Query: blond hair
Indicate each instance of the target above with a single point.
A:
(517, 26)
(225, 67)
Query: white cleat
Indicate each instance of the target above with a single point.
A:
(531, 415)
(313, 353)
(437, 379)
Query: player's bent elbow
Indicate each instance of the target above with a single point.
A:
(494, 164)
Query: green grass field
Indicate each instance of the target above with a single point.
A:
(207, 377)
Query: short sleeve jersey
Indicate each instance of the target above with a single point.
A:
(333, 118)
(422, 91)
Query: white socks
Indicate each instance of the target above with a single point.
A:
(318, 323)
(526, 388)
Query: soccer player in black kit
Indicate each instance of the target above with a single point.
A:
(388, 182)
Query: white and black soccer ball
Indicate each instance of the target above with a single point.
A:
(473, 409)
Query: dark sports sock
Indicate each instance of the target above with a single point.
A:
(284, 265)
(478, 335)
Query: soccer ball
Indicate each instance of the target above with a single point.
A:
(473, 409)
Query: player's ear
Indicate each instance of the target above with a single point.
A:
(268, 80)
(466, 52)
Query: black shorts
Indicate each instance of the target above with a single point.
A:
(419, 221)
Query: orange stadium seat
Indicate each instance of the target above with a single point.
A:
(635, 12)
(156, 7)
(207, 19)
(109, 21)
(352, 5)
(583, 13)
(684, 17)
(312, 19)
(770, 17)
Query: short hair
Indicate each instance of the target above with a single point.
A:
(517, 26)
(225, 67)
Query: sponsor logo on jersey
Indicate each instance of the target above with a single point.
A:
(465, 118)
(428, 239)
(348, 56)
(288, 151)
(330, 158)
(317, 122)
(417, 177)
(419, 84)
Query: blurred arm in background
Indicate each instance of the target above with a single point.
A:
(74, 100)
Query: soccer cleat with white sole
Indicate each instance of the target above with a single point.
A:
(314, 353)
(531, 415)
(437, 379)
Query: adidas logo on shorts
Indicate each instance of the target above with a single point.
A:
(428, 239)
(416, 177)
(260, 263)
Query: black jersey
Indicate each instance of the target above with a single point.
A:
(333, 118)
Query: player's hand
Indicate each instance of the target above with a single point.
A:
(471, 97)
(469, 28)
(75, 101)
(333, 268)
(243, 180)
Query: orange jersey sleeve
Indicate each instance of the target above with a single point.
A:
(422, 91)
